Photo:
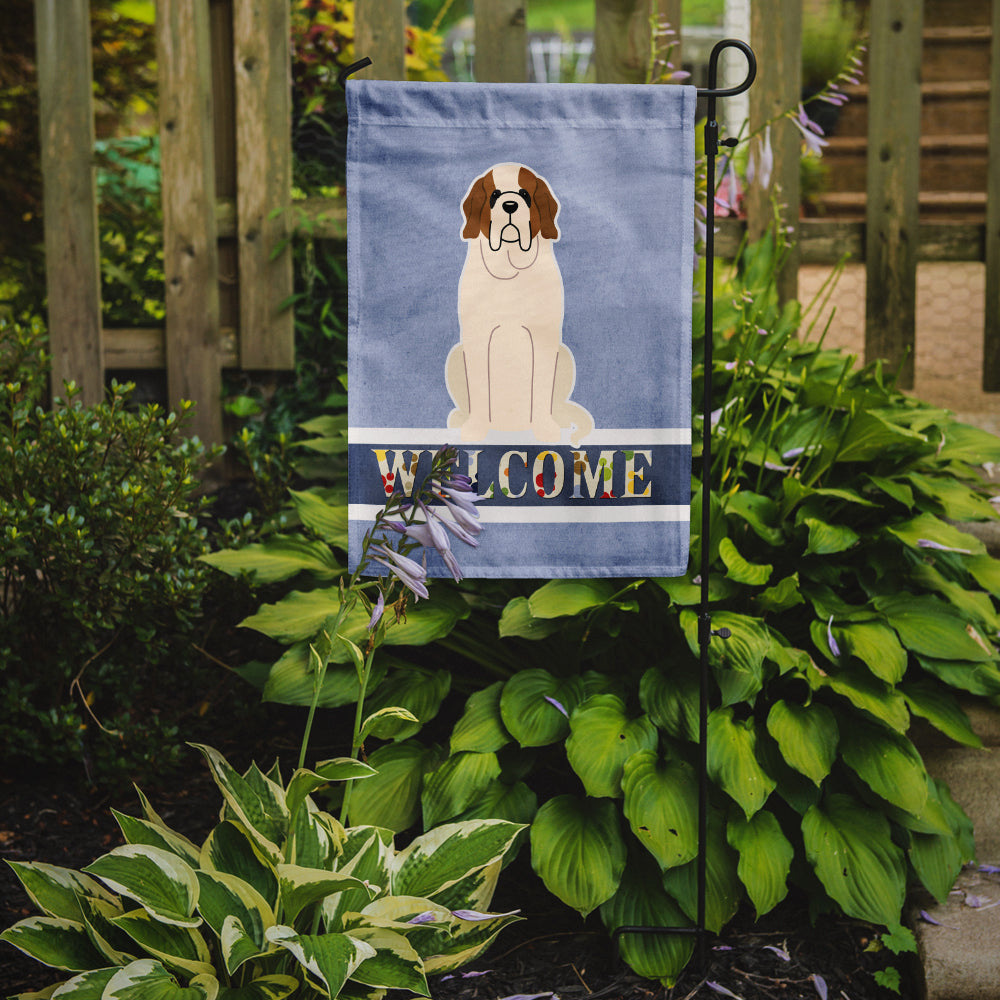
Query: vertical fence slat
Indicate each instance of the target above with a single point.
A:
(670, 12)
(380, 34)
(991, 332)
(501, 39)
(190, 253)
(892, 215)
(621, 40)
(261, 43)
(72, 257)
(776, 35)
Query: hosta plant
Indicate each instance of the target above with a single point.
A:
(279, 900)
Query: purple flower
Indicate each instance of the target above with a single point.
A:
(927, 543)
(427, 917)
(410, 573)
(811, 132)
(780, 952)
(761, 163)
(834, 648)
(719, 988)
(820, 983)
(558, 705)
(377, 611)
(476, 915)
(467, 519)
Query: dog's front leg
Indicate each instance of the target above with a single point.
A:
(543, 425)
(477, 373)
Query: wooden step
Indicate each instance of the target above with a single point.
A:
(957, 206)
(956, 53)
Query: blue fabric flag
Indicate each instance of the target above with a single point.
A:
(520, 261)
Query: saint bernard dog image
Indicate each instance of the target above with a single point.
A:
(511, 370)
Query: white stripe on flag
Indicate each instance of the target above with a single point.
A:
(408, 436)
(562, 514)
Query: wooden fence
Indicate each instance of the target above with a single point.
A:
(226, 160)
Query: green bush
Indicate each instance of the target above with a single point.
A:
(99, 546)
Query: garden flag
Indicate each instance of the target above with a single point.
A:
(520, 262)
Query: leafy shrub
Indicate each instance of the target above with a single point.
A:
(279, 899)
(99, 539)
(854, 603)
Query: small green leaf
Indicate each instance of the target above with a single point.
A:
(888, 763)
(279, 558)
(739, 569)
(559, 598)
(765, 858)
(807, 736)
(481, 727)
(732, 760)
(936, 704)
(517, 620)
(328, 521)
(828, 539)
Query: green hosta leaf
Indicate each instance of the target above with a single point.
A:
(292, 681)
(783, 595)
(888, 763)
(965, 443)
(683, 591)
(578, 851)
(931, 628)
(327, 520)
(180, 948)
(641, 901)
(739, 569)
(391, 798)
(279, 558)
(330, 959)
(738, 661)
(230, 849)
(86, 986)
(395, 964)
(559, 598)
(141, 831)
(758, 511)
(260, 809)
(827, 539)
(928, 528)
(865, 692)
(957, 501)
(527, 711)
(976, 678)
(765, 858)
(517, 620)
(418, 690)
(456, 784)
(850, 848)
(56, 891)
(723, 889)
(147, 979)
(159, 881)
(976, 605)
(515, 803)
(876, 646)
(732, 760)
(225, 897)
(274, 987)
(304, 782)
(661, 799)
(807, 736)
(893, 488)
(385, 723)
(301, 887)
(937, 860)
(481, 728)
(869, 436)
(54, 941)
(441, 857)
(671, 700)
(941, 709)
(986, 571)
(602, 738)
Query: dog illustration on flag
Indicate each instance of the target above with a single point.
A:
(510, 370)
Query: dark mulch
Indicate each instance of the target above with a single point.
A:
(57, 820)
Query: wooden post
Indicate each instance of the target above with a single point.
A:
(190, 254)
(261, 56)
(669, 11)
(380, 34)
(501, 41)
(776, 35)
(622, 40)
(893, 183)
(991, 333)
(72, 256)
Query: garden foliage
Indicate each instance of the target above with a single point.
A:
(280, 899)
(854, 602)
(99, 546)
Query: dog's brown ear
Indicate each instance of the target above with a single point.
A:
(476, 207)
(544, 205)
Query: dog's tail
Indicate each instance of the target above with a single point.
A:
(582, 421)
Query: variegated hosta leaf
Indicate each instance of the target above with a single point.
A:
(86, 986)
(602, 737)
(391, 799)
(225, 897)
(230, 849)
(535, 706)
(850, 847)
(476, 890)
(141, 831)
(395, 964)
(456, 784)
(56, 891)
(329, 959)
(578, 851)
(732, 760)
(315, 838)
(98, 915)
(54, 941)
(807, 736)
(723, 889)
(304, 782)
(765, 858)
(642, 902)
(301, 887)
(367, 853)
(256, 801)
(273, 987)
(177, 947)
(661, 799)
(466, 941)
(481, 727)
(888, 763)
(147, 979)
(441, 857)
(158, 880)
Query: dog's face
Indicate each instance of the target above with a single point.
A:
(510, 205)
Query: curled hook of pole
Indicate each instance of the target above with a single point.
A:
(713, 69)
(349, 70)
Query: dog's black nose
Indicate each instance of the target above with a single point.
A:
(510, 207)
